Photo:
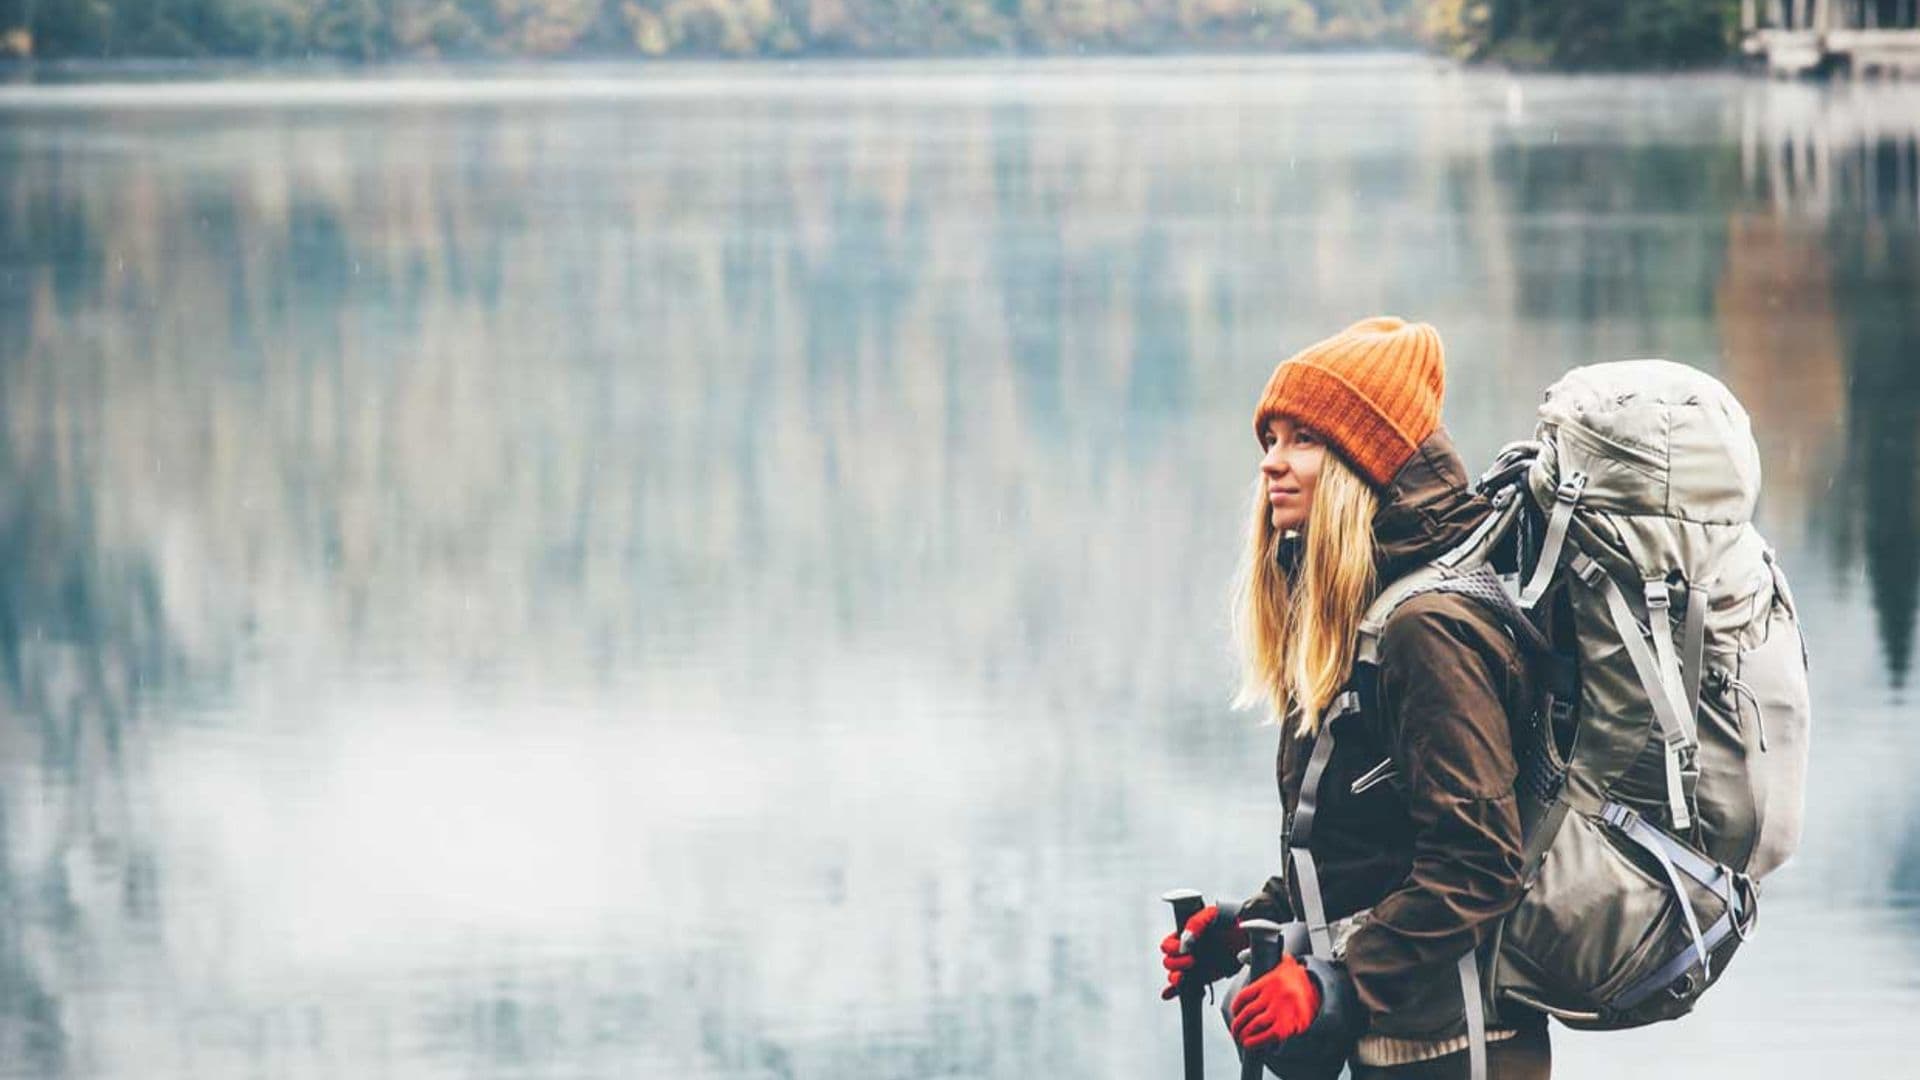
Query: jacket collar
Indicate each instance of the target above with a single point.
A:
(1426, 509)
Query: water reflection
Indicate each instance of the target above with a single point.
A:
(1839, 171)
(673, 586)
(1841, 151)
(1877, 294)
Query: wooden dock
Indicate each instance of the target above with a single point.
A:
(1822, 37)
(1819, 153)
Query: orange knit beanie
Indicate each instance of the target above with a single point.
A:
(1372, 390)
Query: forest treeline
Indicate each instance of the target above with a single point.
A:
(1523, 33)
(1587, 34)
(374, 29)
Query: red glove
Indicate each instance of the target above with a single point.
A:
(1276, 1006)
(1209, 949)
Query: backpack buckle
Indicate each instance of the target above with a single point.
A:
(1619, 815)
(1570, 488)
(1656, 594)
(1587, 569)
(1559, 711)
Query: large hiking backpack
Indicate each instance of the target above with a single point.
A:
(1663, 774)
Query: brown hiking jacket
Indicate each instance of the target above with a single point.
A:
(1416, 819)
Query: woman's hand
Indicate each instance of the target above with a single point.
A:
(1207, 949)
(1276, 1006)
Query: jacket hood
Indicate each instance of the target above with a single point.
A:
(1425, 509)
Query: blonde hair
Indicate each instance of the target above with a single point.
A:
(1297, 638)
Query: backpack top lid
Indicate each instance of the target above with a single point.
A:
(1651, 437)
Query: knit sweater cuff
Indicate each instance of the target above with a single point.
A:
(1385, 1051)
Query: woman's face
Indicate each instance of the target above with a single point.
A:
(1291, 470)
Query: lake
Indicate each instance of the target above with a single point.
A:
(721, 570)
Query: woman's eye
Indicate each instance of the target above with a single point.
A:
(1305, 438)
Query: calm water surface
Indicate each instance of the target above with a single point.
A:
(721, 572)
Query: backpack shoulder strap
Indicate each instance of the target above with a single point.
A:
(1462, 570)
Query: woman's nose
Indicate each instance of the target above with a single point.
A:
(1274, 463)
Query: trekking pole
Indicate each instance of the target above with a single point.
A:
(1263, 938)
(1185, 903)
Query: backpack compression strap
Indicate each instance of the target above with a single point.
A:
(1735, 889)
(1695, 647)
(1652, 665)
(1672, 857)
(1565, 498)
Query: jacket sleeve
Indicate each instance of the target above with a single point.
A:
(1270, 902)
(1446, 671)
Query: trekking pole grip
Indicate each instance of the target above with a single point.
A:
(1263, 940)
(1187, 902)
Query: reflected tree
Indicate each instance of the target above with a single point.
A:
(1876, 291)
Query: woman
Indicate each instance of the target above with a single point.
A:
(1415, 837)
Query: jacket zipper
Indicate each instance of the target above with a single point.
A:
(1381, 772)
